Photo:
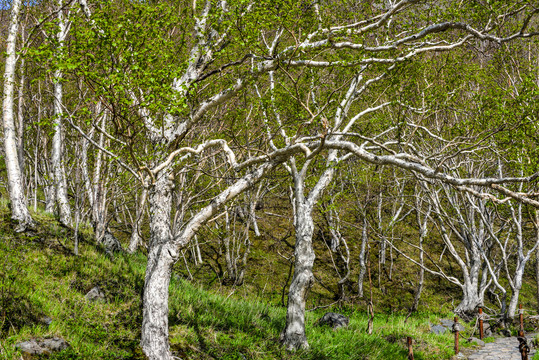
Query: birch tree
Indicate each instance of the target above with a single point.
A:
(18, 202)
(384, 44)
(58, 145)
(167, 126)
(213, 51)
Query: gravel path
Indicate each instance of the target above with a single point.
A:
(502, 349)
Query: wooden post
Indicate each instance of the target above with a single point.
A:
(456, 337)
(521, 316)
(523, 345)
(481, 323)
(410, 349)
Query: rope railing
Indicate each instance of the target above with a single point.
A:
(482, 317)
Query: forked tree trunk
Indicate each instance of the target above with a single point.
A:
(163, 252)
(471, 298)
(293, 336)
(19, 210)
(154, 335)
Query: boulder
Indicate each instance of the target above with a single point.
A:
(95, 295)
(111, 244)
(334, 320)
(41, 347)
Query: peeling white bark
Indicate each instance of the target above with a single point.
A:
(293, 336)
(161, 257)
(164, 250)
(58, 144)
(18, 202)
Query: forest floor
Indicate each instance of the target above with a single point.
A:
(42, 294)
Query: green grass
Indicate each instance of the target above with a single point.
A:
(41, 277)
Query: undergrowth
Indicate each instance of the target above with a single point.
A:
(42, 280)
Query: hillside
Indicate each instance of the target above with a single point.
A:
(41, 278)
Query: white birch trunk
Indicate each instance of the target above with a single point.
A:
(19, 210)
(293, 336)
(20, 119)
(517, 281)
(60, 184)
(154, 340)
(471, 291)
(164, 251)
(362, 258)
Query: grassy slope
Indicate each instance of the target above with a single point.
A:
(41, 277)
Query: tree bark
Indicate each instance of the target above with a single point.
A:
(20, 120)
(164, 252)
(293, 336)
(154, 335)
(513, 303)
(18, 202)
(471, 297)
(60, 184)
(362, 257)
(135, 235)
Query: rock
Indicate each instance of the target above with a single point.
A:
(95, 295)
(334, 320)
(447, 323)
(438, 329)
(30, 347)
(40, 347)
(45, 320)
(476, 341)
(54, 344)
(111, 244)
(505, 332)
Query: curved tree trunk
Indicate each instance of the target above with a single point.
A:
(19, 210)
(163, 252)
